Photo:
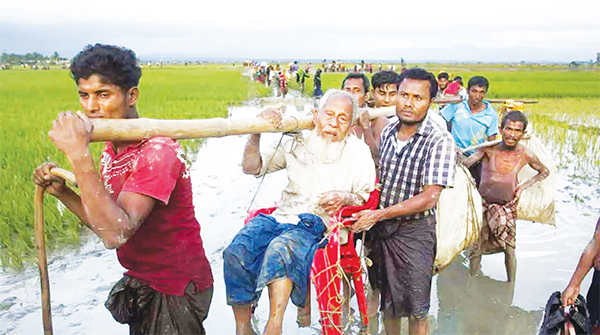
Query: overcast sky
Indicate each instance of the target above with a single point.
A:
(509, 31)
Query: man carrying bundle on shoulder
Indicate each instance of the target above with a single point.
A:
(327, 169)
(500, 191)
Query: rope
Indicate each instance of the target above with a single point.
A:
(264, 175)
(338, 298)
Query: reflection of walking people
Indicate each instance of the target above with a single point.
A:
(589, 258)
(500, 193)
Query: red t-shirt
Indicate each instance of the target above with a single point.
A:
(166, 251)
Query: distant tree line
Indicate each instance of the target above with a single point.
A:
(29, 58)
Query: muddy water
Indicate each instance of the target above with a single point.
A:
(81, 279)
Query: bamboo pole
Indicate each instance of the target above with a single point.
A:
(40, 245)
(483, 145)
(457, 99)
(142, 128)
(448, 99)
(501, 101)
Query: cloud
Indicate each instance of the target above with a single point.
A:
(517, 30)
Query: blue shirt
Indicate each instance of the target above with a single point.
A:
(470, 129)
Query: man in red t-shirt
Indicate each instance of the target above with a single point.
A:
(141, 204)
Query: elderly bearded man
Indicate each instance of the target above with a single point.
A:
(416, 161)
(327, 169)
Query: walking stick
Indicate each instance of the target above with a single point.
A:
(40, 245)
(139, 129)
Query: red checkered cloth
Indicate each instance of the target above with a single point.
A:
(500, 229)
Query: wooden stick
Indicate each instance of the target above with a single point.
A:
(483, 145)
(139, 129)
(501, 101)
(448, 99)
(457, 99)
(64, 174)
(40, 245)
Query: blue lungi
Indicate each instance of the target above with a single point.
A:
(266, 250)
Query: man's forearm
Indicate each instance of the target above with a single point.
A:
(252, 162)
(585, 262)
(536, 164)
(72, 201)
(419, 203)
(370, 140)
(373, 135)
(537, 178)
(474, 158)
(103, 214)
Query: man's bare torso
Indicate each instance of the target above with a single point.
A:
(499, 173)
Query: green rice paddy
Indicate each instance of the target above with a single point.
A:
(30, 101)
(567, 118)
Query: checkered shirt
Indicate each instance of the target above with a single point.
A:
(429, 158)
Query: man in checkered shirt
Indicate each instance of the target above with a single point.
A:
(417, 159)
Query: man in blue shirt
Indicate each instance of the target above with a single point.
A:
(473, 121)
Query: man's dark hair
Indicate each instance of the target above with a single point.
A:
(115, 65)
(478, 81)
(354, 75)
(514, 116)
(443, 75)
(459, 80)
(383, 78)
(420, 74)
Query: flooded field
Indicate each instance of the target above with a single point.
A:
(81, 279)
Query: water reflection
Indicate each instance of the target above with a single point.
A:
(479, 305)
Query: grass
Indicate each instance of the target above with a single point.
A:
(30, 100)
(571, 126)
(509, 83)
(567, 119)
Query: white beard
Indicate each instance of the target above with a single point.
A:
(322, 150)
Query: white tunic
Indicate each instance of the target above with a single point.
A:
(351, 170)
